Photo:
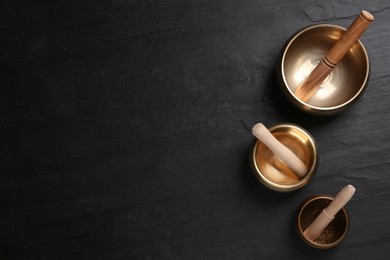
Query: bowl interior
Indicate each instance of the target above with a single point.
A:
(307, 49)
(272, 171)
(333, 233)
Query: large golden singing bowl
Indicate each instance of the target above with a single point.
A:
(274, 174)
(346, 83)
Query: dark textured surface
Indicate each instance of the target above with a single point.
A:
(124, 131)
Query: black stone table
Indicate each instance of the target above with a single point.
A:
(125, 131)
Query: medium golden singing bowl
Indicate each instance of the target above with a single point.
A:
(274, 174)
(346, 83)
(333, 234)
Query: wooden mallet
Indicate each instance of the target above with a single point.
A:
(309, 86)
(327, 214)
(282, 152)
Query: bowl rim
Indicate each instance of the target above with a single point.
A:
(308, 106)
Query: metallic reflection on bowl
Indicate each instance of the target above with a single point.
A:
(274, 174)
(341, 88)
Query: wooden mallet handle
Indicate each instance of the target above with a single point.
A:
(309, 86)
(327, 215)
(282, 152)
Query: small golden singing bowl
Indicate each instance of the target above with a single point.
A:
(346, 83)
(333, 234)
(274, 174)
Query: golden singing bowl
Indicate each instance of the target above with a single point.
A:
(333, 234)
(274, 174)
(346, 83)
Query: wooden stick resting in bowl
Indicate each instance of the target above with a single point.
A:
(327, 215)
(282, 152)
(309, 86)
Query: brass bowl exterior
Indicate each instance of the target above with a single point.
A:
(333, 234)
(275, 175)
(346, 83)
